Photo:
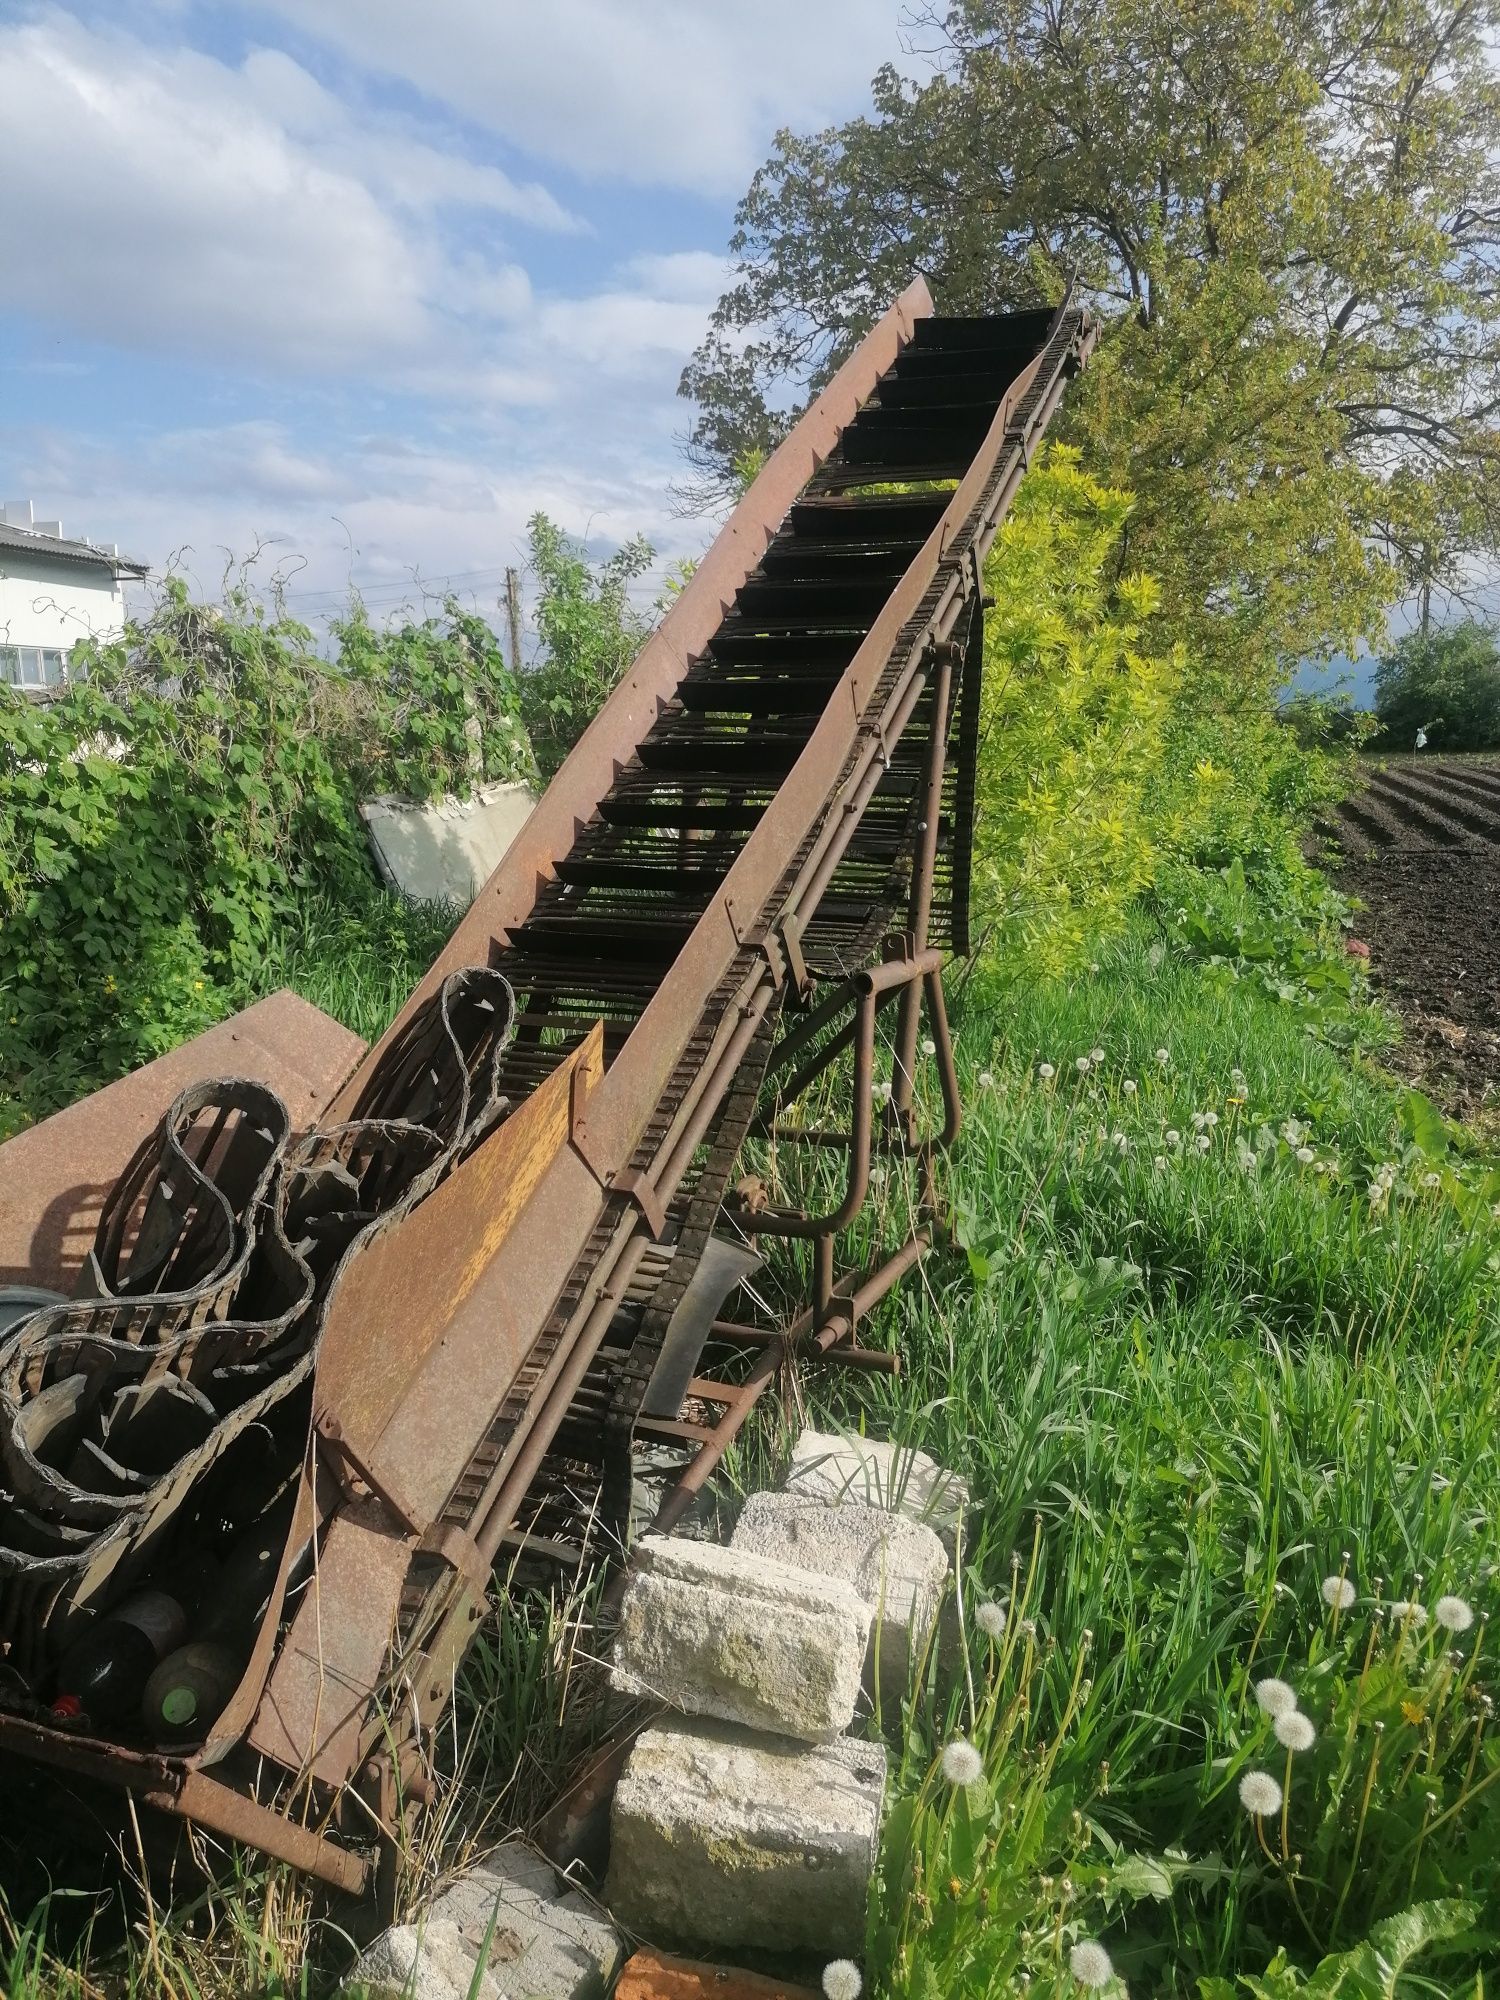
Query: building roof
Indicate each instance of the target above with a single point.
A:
(74, 552)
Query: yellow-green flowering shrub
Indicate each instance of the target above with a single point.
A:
(1075, 705)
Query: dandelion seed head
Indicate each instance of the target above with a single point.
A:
(990, 1618)
(1203, 1142)
(1200, 1119)
(841, 1979)
(1338, 1592)
(1274, 1697)
(986, 1079)
(1160, 1163)
(1454, 1614)
(1090, 1964)
(1432, 1180)
(1210, 1119)
(929, 1046)
(882, 1093)
(1260, 1794)
(1128, 1086)
(1409, 1611)
(1163, 1056)
(1294, 1731)
(1306, 1155)
(1096, 1055)
(1046, 1072)
(1174, 1137)
(1082, 1065)
(962, 1763)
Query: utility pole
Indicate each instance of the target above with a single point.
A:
(513, 616)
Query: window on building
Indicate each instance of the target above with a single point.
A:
(33, 666)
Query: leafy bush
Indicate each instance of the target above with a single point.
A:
(1100, 764)
(1446, 683)
(190, 786)
(589, 631)
(1071, 725)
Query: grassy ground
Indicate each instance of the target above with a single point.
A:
(1222, 1333)
(1190, 1379)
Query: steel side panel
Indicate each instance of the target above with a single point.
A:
(385, 1375)
(55, 1178)
(590, 769)
(452, 1403)
(333, 1658)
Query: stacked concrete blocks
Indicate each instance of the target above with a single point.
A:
(727, 1633)
(755, 1821)
(732, 1839)
(892, 1478)
(897, 1566)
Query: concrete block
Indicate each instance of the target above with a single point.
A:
(445, 852)
(653, 1975)
(875, 1473)
(898, 1567)
(541, 1943)
(723, 1839)
(716, 1632)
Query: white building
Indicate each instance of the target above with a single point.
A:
(52, 594)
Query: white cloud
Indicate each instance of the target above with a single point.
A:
(160, 200)
(676, 93)
(169, 200)
(403, 520)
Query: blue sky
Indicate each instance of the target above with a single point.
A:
(371, 281)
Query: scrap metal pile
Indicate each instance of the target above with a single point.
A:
(322, 1385)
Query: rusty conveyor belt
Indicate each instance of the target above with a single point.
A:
(759, 845)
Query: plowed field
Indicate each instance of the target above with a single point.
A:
(1421, 849)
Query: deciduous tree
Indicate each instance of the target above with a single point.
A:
(1287, 213)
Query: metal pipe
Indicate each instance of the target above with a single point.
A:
(919, 910)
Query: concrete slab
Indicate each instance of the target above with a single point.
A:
(876, 1473)
(445, 852)
(898, 1567)
(714, 1631)
(509, 1912)
(55, 1178)
(723, 1839)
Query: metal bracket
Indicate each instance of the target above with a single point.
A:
(447, 1541)
(782, 946)
(578, 1125)
(353, 1474)
(637, 1188)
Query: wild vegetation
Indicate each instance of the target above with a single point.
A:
(1443, 684)
(1212, 1332)
(181, 819)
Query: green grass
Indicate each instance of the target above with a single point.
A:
(1184, 1390)
(1183, 1395)
(359, 965)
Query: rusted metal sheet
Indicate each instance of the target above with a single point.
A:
(396, 1387)
(55, 1178)
(332, 1660)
